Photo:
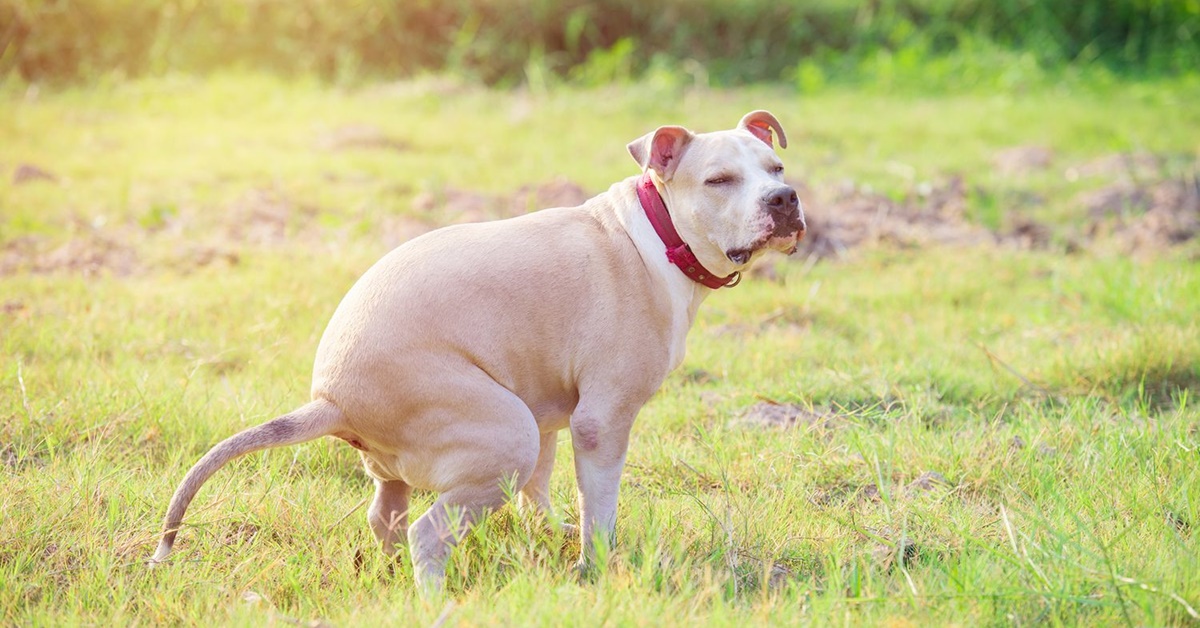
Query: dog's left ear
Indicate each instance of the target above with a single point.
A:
(661, 150)
(760, 124)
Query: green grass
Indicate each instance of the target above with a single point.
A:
(1056, 393)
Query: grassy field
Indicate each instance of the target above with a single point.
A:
(978, 427)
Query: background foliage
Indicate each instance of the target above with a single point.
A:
(507, 41)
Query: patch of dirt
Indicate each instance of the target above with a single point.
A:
(1022, 160)
(770, 414)
(450, 204)
(1162, 226)
(1175, 194)
(90, 254)
(1026, 233)
(870, 493)
(850, 216)
(840, 218)
(890, 553)
(699, 376)
(260, 217)
(928, 481)
(1043, 450)
(831, 495)
(456, 205)
(1138, 208)
(239, 532)
(359, 137)
(9, 457)
(1111, 200)
(1147, 216)
(29, 173)
(1142, 208)
(198, 255)
(1123, 166)
(558, 192)
(778, 576)
(1179, 522)
(267, 216)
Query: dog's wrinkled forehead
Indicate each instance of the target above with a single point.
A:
(735, 152)
(752, 142)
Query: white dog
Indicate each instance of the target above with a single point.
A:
(454, 361)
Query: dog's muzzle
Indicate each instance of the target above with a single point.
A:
(783, 206)
(787, 225)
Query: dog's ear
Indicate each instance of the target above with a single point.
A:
(760, 124)
(661, 150)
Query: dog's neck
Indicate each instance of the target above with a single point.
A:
(683, 294)
(678, 252)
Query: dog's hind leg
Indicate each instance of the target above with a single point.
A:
(435, 534)
(388, 514)
(481, 465)
(535, 497)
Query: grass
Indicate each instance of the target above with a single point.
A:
(1054, 393)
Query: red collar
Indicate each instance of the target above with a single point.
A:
(678, 252)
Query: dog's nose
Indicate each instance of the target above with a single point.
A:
(784, 206)
(783, 202)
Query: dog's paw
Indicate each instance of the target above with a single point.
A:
(585, 571)
(540, 523)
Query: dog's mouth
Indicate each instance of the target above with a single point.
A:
(781, 238)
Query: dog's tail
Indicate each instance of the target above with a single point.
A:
(312, 420)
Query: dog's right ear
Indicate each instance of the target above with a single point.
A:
(661, 150)
(760, 124)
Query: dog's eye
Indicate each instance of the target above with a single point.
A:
(718, 180)
(778, 169)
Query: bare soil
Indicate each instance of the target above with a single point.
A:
(1141, 203)
(454, 205)
(772, 414)
(1022, 160)
(88, 255)
(849, 216)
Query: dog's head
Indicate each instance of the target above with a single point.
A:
(725, 190)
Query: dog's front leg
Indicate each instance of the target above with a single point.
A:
(600, 445)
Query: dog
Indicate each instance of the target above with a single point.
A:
(454, 361)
